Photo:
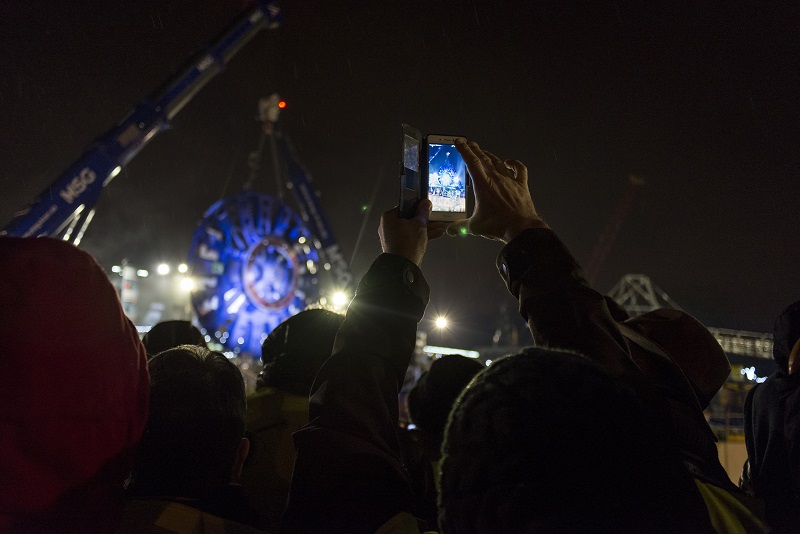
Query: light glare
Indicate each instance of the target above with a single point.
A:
(339, 299)
(187, 284)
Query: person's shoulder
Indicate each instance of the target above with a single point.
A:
(402, 523)
(158, 516)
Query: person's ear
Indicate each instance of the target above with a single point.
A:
(241, 456)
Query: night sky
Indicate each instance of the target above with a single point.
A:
(700, 99)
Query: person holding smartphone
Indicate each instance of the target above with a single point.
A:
(349, 474)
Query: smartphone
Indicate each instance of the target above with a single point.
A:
(447, 183)
(413, 186)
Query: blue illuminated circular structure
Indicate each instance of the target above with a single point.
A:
(254, 263)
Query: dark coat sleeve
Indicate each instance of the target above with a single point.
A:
(561, 309)
(348, 475)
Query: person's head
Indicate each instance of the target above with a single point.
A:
(432, 398)
(74, 389)
(170, 334)
(193, 444)
(295, 350)
(547, 441)
(786, 339)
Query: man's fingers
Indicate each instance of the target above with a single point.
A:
(519, 168)
(498, 164)
(473, 161)
(458, 227)
(436, 229)
(423, 212)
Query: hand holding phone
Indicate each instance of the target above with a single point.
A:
(503, 203)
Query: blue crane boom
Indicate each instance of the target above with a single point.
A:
(75, 192)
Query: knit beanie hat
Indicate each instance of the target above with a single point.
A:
(295, 350)
(170, 334)
(74, 377)
(431, 400)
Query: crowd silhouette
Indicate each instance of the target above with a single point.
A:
(598, 428)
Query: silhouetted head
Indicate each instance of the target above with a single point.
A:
(547, 441)
(191, 444)
(170, 334)
(786, 334)
(431, 400)
(293, 352)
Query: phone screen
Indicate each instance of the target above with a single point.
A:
(447, 179)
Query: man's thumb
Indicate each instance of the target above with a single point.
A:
(460, 227)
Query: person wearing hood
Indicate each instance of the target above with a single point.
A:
(292, 354)
(772, 429)
(75, 390)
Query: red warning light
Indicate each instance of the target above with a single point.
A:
(282, 104)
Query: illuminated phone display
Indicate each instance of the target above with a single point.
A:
(447, 179)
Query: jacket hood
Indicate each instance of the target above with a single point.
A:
(74, 377)
(785, 334)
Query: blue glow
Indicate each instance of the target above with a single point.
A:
(251, 268)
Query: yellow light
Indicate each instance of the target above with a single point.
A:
(162, 269)
(187, 284)
(182, 268)
(339, 299)
(441, 322)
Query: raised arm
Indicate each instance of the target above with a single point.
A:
(561, 309)
(348, 475)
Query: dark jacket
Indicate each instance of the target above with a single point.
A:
(349, 475)
(563, 311)
(772, 431)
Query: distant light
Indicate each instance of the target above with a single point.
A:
(187, 284)
(432, 349)
(207, 338)
(182, 268)
(364, 208)
(339, 299)
(162, 269)
(462, 231)
(116, 269)
(301, 240)
(327, 266)
(750, 374)
(441, 322)
(144, 273)
(488, 363)
(241, 341)
(282, 104)
(236, 304)
(115, 172)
